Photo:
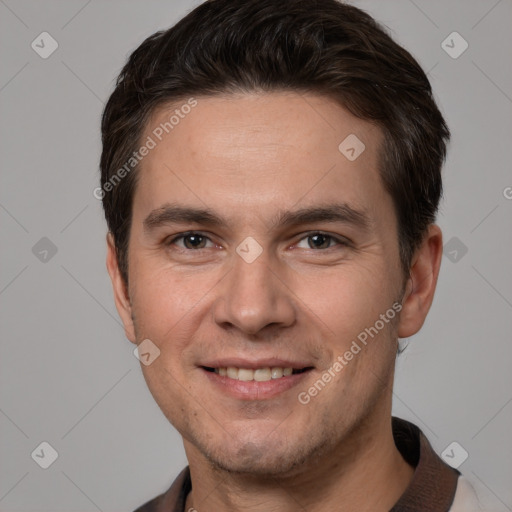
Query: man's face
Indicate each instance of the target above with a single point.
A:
(210, 300)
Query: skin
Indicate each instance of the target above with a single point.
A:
(247, 157)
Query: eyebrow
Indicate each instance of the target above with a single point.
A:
(338, 212)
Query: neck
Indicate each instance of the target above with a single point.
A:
(364, 472)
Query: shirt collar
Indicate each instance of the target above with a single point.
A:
(434, 483)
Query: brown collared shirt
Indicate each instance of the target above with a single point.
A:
(432, 488)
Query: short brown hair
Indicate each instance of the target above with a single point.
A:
(321, 46)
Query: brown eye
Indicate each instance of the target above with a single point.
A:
(190, 241)
(322, 241)
(319, 241)
(194, 241)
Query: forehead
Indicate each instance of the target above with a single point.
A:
(246, 152)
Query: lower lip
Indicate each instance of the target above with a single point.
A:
(252, 389)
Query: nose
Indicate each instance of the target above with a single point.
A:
(253, 297)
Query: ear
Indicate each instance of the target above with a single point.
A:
(421, 284)
(121, 296)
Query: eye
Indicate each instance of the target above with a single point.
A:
(194, 240)
(191, 240)
(322, 241)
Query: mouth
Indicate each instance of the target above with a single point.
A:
(259, 382)
(264, 374)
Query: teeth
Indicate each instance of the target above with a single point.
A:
(232, 372)
(245, 374)
(277, 373)
(259, 375)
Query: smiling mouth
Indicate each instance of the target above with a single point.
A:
(258, 374)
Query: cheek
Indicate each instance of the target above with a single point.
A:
(347, 299)
(169, 392)
(170, 308)
(162, 298)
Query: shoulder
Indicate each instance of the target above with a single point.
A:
(465, 499)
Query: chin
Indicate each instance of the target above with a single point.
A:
(251, 460)
(272, 456)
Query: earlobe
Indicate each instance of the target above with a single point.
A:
(121, 296)
(422, 282)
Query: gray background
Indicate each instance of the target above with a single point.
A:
(68, 376)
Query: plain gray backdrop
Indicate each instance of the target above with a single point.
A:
(68, 376)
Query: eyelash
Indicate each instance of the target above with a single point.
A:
(340, 241)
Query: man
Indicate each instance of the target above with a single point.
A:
(270, 179)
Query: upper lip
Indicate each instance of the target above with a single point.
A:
(271, 362)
